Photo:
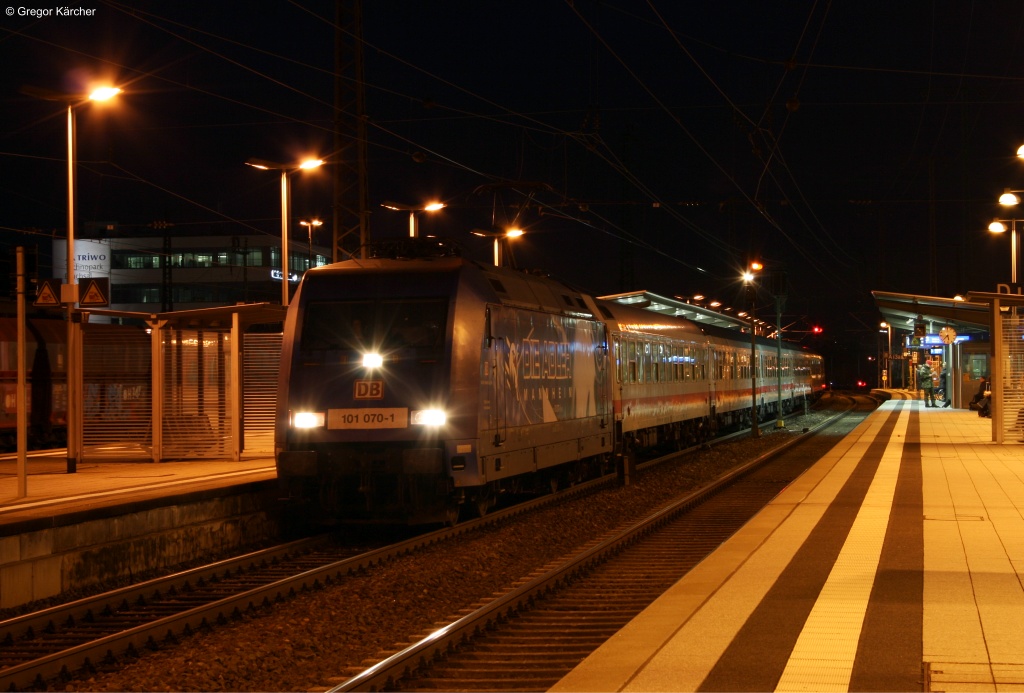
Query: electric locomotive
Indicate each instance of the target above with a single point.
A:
(410, 388)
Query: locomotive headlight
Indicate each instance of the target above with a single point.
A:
(427, 417)
(372, 360)
(308, 419)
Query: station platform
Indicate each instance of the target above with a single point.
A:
(895, 563)
(50, 491)
(63, 532)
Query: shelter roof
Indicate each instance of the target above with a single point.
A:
(966, 316)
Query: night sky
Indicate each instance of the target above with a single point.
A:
(648, 145)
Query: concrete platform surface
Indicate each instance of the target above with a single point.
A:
(50, 490)
(895, 563)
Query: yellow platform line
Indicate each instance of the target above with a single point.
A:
(823, 657)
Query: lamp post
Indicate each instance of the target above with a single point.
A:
(888, 352)
(69, 295)
(498, 237)
(999, 226)
(1009, 199)
(748, 279)
(285, 169)
(414, 230)
(310, 225)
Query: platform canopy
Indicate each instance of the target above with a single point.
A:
(220, 316)
(965, 316)
(664, 305)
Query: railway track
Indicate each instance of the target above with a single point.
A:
(43, 649)
(530, 637)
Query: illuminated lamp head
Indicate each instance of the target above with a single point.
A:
(428, 417)
(308, 419)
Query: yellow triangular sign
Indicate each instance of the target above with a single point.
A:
(93, 296)
(46, 296)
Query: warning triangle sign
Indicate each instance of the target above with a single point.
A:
(47, 296)
(95, 293)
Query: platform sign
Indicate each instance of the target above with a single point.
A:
(95, 292)
(48, 295)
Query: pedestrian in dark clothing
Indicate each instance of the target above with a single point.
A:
(946, 394)
(983, 400)
(924, 382)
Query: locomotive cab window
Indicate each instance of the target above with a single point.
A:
(392, 325)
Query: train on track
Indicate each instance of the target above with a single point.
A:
(411, 388)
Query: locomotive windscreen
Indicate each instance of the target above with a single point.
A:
(361, 325)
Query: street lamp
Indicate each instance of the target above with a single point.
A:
(888, 352)
(285, 169)
(70, 294)
(999, 226)
(498, 237)
(414, 230)
(1009, 199)
(310, 225)
(748, 280)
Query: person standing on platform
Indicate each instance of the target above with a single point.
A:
(944, 382)
(924, 382)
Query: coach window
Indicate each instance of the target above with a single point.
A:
(631, 355)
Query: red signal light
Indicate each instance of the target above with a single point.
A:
(816, 329)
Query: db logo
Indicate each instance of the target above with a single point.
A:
(369, 389)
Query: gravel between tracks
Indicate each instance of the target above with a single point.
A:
(304, 644)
